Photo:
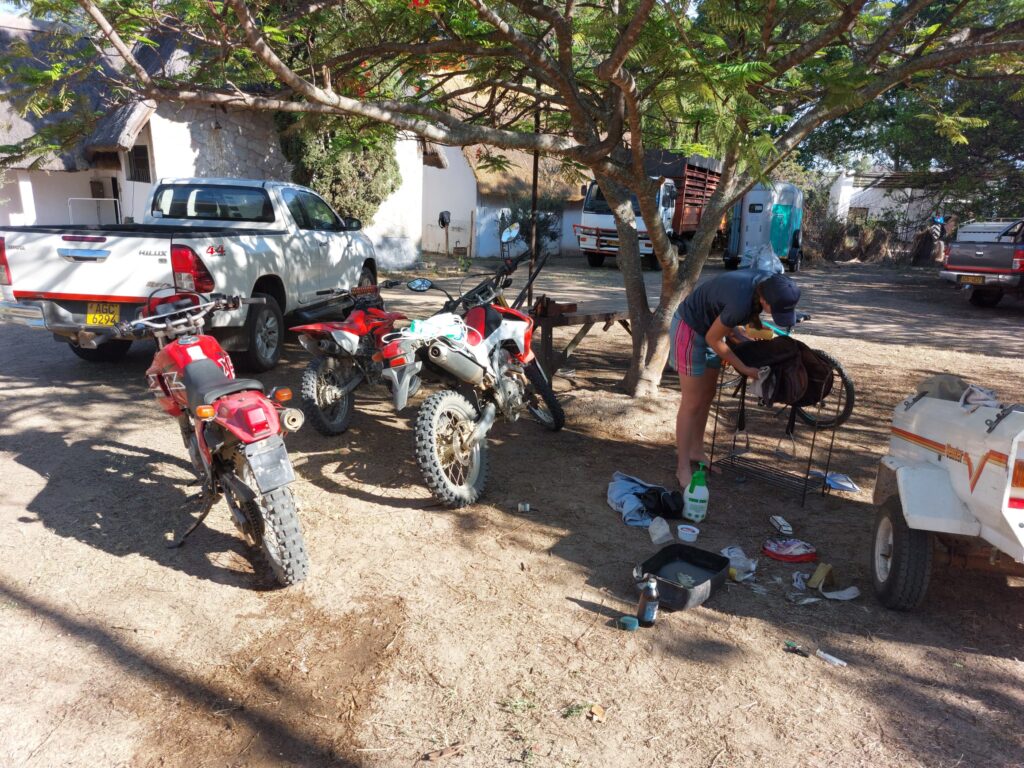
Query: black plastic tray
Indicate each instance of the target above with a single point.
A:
(707, 569)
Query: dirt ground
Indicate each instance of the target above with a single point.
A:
(422, 628)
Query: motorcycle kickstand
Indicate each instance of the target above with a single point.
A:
(209, 500)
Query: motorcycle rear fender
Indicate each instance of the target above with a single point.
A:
(269, 462)
(231, 416)
(401, 378)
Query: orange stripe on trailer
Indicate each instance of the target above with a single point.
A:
(997, 458)
(924, 442)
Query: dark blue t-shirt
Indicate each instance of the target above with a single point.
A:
(730, 295)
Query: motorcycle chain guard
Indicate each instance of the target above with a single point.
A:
(269, 462)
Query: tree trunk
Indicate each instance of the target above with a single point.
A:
(628, 260)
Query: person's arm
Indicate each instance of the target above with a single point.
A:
(715, 337)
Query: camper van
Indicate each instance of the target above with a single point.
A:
(767, 215)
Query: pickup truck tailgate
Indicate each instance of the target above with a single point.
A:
(87, 266)
(985, 257)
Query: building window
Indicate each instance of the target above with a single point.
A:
(857, 215)
(138, 164)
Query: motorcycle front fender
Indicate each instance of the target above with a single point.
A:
(402, 378)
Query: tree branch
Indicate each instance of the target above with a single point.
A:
(627, 40)
(801, 53)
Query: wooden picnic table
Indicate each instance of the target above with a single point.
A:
(586, 316)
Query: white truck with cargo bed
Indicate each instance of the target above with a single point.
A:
(232, 236)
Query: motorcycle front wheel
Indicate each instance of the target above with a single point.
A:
(456, 475)
(541, 400)
(329, 415)
(272, 524)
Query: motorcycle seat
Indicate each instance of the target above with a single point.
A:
(205, 383)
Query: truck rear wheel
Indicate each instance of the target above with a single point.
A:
(901, 559)
(264, 332)
(595, 259)
(985, 298)
(108, 352)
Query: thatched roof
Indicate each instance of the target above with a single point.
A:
(116, 130)
(518, 178)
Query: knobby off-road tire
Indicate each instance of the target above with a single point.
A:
(327, 418)
(273, 527)
(108, 352)
(264, 332)
(282, 542)
(827, 417)
(901, 559)
(595, 259)
(548, 411)
(456, 478)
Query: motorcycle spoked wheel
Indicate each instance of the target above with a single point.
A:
(328, 416)
(271, 524)
(541, 400)
(454, 474)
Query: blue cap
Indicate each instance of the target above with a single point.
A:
(782, 295)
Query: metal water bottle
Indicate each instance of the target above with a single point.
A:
(647, 610)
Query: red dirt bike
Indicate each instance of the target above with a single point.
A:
(479, 347)
(345, 355)
(232, 430)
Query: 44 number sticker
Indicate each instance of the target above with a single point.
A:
(215, 249)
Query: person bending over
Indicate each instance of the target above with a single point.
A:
(699, 330)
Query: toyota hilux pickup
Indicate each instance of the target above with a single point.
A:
(989, 270)
(274, 240)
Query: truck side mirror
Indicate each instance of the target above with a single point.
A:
(583, 190)
(444, 219)
(352, 223)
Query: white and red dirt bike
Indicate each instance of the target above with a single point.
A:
(346, 355)
(478, 347)
(232, 430)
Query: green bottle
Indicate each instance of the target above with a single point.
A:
(695, 501)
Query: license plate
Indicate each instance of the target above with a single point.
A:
(608, 244)
(972, 279)
(102, 313)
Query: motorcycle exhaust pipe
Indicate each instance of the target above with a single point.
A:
(459, 365)
(292, 419)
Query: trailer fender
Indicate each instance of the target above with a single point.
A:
(927, 497)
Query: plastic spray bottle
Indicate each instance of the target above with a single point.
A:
(695, 502)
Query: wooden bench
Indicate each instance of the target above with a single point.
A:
(586, 317)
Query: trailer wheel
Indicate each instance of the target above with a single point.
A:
(901, 559)
(595, 259)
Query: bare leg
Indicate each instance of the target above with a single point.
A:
(689, 420)
(708, 386)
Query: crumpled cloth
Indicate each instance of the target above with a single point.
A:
(976, 395)
(624, 493)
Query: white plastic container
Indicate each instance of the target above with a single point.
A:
(660, 532)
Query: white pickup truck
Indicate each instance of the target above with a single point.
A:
(233, 236)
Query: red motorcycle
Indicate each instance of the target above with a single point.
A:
(345, 355)
(232, 430)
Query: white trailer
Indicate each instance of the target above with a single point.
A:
(951, 487)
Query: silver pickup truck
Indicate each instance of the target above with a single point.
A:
(989, 270)
(235, 236)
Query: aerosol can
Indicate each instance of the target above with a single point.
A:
(695, 501)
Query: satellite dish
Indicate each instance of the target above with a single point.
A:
(511, 233)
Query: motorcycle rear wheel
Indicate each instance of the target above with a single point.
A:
(327, 418)
(455, 476)
(548, 411)
(273, 526)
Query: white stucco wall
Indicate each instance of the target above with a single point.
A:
(448, 189)
(10, 200)
(909, 204)
(397, 226)
(572, 213)
(187, 142)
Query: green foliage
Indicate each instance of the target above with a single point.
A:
(354, 170)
